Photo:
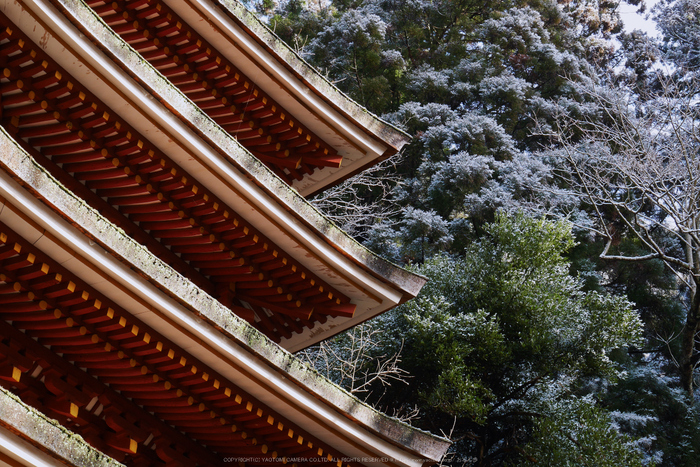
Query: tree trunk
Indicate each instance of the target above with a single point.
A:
(687, 359)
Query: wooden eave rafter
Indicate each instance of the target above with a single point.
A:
(224, 92)
(75, 136)
(332, 127)
(117, 75)
(127, 275)
(75, 355)
(30, 438)
(97, 155)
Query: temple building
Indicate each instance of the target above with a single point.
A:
(159, 261)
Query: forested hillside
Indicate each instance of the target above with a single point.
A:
(551, 193)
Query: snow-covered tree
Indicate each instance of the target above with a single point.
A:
(578, 432)
(467, 80)
(679, 22)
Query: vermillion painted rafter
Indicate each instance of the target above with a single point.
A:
(106, 162)
(225, 93)
(103, 373)
(127, 212)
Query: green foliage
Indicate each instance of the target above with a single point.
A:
(452, 347)
(503, 321)
(649, 284)
(494, 329)
(578, 434)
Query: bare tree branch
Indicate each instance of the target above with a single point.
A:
(636, 162)
(361, 202)
(353, 361)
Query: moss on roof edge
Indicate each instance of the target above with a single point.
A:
(89, 221)
(49, 435)
(396, 137)
(241, 158)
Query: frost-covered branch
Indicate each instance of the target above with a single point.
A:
(353, 360)
(636, 162)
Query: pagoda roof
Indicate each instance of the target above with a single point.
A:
(252, 84)
(322, 281)
(47, 440)
(85, 299)
(155, 274)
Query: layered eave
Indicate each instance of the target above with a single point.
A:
(373, 138)
(213, 201)
(148, 262)
(105, 334)
(28, 437)
(248, 81)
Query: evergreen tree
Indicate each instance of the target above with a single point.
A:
(500, 342)
(479, 85)
(468, 80)
(679, 22)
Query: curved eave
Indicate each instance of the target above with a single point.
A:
(362, 136)
(216, 159)
(197, 322)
